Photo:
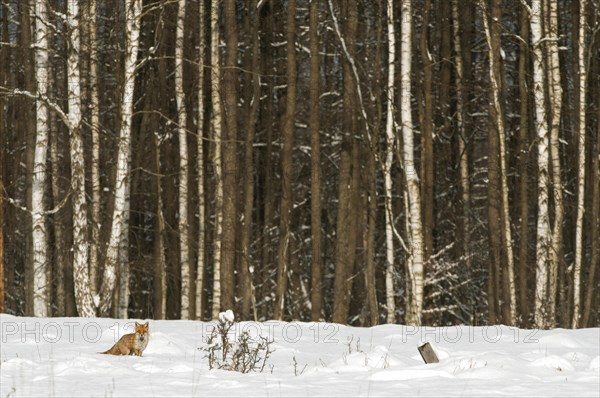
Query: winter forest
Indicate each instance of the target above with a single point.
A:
(425, 162)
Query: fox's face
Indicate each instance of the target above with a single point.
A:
(141, 330)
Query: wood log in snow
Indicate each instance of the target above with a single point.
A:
(428, 354)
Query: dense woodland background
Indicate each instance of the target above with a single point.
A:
(425, 162)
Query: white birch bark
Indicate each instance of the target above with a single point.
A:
(119, 223)
(38, 217)
(160, 265)
(389, 157)
(543, 221)
(415, 310)
(200, 165)
(123, 267)
(183, 165)
(60, 247)
(556, 105)
(506, 235)
(576, 322)
(215, 74)
(95, 130)
(591, 295)
(83, 297)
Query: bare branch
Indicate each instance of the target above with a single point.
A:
(47, 101)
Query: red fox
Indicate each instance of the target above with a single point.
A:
(132, 343)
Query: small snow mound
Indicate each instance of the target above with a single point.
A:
(595, 364)
(179, 368)
(226, 316)
(558, 340)
(148, 368)
(18, 363)
(577, 358)
(88, 365)
(553, 361)
(161, 344)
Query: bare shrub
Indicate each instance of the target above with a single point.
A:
(244, 354)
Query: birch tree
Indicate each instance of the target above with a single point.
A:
(390, 138)
(27, 66)
(133, 11)
(415, 261)
(590, 297)
(581, 59)
(200, 264)
(123, 268)
(64, 306)
(184, 249)
(543, 221)
(41, 290)
(160, 275)
(555, 96)
(83, 297)
(523, 161)
(95, 130)
(215, 77)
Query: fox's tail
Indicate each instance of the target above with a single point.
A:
(109, 351)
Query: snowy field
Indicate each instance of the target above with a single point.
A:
(57, 357)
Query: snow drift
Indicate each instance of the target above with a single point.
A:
(58, 357)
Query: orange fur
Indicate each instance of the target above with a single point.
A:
(132, 343)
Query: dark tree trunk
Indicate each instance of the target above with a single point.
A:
(230, 158)
(283, 249)
(315, 167)
(347, 212)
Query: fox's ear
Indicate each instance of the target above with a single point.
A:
(146, 324)
(137, 324)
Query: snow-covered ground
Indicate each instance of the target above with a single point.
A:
(57, 357)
